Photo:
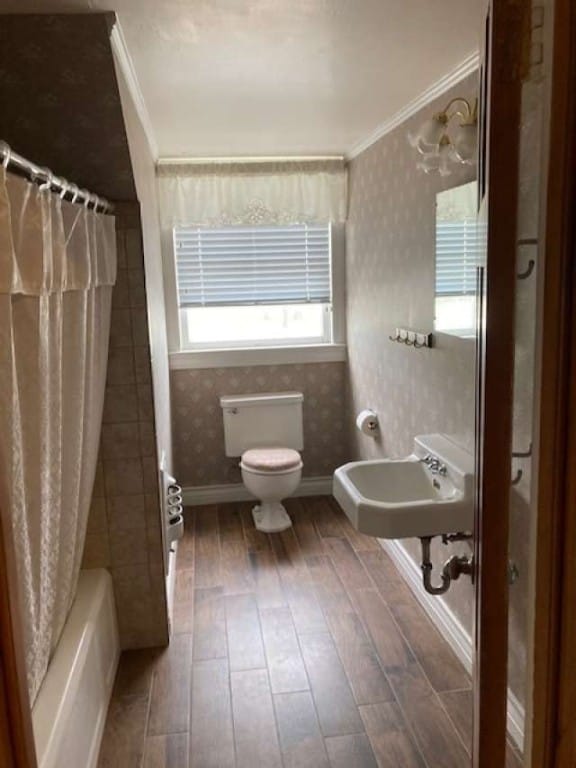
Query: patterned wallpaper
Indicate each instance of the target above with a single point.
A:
(198, 426)
(390, 282)
(57, 80)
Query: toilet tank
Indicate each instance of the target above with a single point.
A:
(262, 421)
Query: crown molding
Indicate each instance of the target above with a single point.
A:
(120, 50)
(465, 68)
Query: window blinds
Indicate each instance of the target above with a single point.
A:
(457, 256)
(253, 265)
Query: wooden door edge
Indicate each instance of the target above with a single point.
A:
(554, 685)
(509, 27)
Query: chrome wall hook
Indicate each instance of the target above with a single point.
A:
(528, 271)
(522, 454)
(414, 339)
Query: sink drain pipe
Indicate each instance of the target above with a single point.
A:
(453, 568)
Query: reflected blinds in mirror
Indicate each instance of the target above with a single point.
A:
(457, 256)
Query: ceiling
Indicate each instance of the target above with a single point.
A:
(281, 77)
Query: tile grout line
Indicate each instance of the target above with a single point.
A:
(328, 631)
(377, 655)
(369, 637)
(332, 638)
(416, 659)
(280, 750)
(232, 717)
(267, 667)
(147, 723)
(284, 588)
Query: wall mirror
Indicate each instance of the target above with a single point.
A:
(457, 256)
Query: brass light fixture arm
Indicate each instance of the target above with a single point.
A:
(468, 115)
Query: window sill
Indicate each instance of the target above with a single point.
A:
(239, 358)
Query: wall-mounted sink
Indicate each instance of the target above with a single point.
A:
(425, 494)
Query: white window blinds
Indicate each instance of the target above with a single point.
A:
(457, 256)
(230, 266)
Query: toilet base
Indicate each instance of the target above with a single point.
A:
(271, 517)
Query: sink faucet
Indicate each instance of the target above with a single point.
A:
(435, 465)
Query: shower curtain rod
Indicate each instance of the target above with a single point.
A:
(45, 177)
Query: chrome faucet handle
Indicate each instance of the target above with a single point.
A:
(428, 459)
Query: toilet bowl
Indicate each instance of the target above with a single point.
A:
(271, 474)
(266, 431)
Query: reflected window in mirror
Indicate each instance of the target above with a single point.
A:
(457, 256)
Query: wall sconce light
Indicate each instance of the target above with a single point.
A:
(440, 147)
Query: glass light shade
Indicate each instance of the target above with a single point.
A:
(446, 156)
(429, 164)
(464, 139)
(428, 136)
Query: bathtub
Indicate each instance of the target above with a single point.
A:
(70, 710)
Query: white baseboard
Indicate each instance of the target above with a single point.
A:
(450, 628)
(219, 494)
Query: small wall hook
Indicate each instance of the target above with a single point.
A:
(528, 271)
(517, 477)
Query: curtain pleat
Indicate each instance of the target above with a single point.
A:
(57, 269)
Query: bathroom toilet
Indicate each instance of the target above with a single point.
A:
(266, 431)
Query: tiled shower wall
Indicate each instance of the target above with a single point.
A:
(390, 282)
(124, 532)
(199, 453)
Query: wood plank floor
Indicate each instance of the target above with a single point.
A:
(302, 649)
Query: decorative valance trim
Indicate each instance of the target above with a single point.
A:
(253, 193)
(252, 167)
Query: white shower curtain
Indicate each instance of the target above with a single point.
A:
(57, 269)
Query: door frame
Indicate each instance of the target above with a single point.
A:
(554, 681)
(504, 59)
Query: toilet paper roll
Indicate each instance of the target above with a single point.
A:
(367, 422)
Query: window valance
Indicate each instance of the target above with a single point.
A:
(253, 193)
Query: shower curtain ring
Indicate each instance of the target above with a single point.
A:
(75, 192)
(64, 190)
(7, 154)
(47, 183)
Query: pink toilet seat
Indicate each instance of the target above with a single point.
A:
(271, 459)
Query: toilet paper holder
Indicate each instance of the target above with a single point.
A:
(367, 422)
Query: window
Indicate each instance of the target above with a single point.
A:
(254, 286)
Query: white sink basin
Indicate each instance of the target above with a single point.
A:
(401, 498)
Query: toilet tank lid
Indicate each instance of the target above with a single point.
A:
(261, 398)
